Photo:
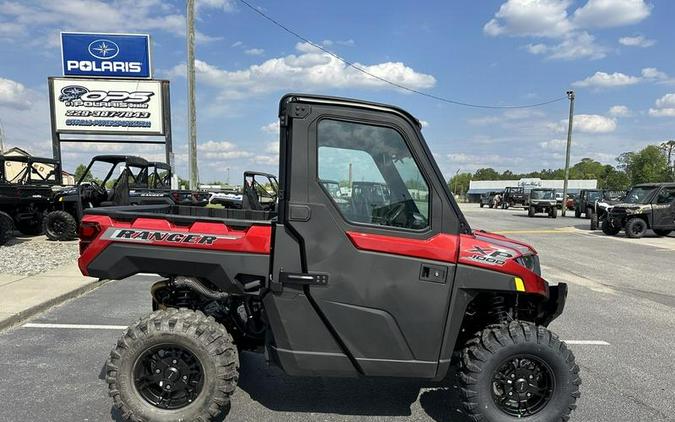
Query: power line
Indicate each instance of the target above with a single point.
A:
(387, 81)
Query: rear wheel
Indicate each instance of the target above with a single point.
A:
(660, 232)
(59, 225)
(553, 213)
(481, 205)
(577, 212)
(174, 364)
(518, 371)
(608, 229)
(6, 226)
(636, 228)
(531, 211)
(589, 212)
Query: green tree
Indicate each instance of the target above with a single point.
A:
(613, 179)
(486, 174)
(459, 184)
(587, 168)
(79, 171)
(649, 165)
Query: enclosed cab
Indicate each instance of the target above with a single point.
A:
(399, 287)
(645, 206)
(542, 201)
(585, 202)
(604, 205)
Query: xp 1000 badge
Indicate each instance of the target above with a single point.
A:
(108, 106)
(489, 255)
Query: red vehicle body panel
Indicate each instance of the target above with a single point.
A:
(479, 249)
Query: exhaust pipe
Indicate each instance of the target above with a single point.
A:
(194, 284)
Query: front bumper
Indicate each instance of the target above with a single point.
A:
(554, 306)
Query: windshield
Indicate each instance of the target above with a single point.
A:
(594, 195)
(639, 194)
(543, 194)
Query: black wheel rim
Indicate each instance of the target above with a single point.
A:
(522, 386)
(168, 376)
(637, 228)
(59, 227)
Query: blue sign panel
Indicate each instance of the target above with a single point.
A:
(106, 55)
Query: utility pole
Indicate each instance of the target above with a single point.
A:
(2, 139)
(570, 96)
(192, 114)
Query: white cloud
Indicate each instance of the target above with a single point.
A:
(541, 18)
(637, 41)
(653, 73)
(607, 80)
(619, 111)
(554, 144)
(424, 123)
(13, 94)
(310, 69)
(43, 18)
(255, 51)
(576, 45)
(610, 80)
(271, 128)
(611, 13)
(664, 106)
(223, 150)
(586, 123)
(224, 5)
(551, 19)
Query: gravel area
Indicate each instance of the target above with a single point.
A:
(34, 255)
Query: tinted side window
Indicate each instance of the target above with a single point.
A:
(379, 181)
(666, 196)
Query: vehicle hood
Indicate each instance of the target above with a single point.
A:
(503, 241)
(631, 207)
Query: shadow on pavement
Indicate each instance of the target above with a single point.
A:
(345, 396)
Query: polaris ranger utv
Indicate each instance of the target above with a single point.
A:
(25, 188)
(645, 206)
(404, 290)
(259, 192)
(542, 200)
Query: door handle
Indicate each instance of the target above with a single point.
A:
(433, 273)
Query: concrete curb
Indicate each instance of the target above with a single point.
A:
(25, 314)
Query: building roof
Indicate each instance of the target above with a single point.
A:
(573, 185)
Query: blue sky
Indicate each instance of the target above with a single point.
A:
(616, 54)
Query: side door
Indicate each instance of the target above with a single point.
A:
(379, 265)
(663, 209)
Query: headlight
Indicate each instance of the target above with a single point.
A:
(531, 262)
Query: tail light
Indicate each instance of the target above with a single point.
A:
(87, 232)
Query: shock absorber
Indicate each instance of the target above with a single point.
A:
(496, 308)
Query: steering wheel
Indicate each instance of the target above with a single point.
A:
(393, 213)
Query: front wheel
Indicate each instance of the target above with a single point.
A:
(482, 205)
(531, 211)
(518, 371)
(594, 221)
(173, 365)
(59, 225)
(636, 228)
(553, 213)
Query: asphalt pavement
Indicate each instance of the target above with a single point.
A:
(619, 320)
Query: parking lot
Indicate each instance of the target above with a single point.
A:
(619, 322)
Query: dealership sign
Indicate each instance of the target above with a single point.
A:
(106, 55)
(107, 106)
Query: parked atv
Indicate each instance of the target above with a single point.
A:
(25, 188)
(602, 206)
(68, 205)
(586, 201)
(259, 192)
(646, 206)
(542, 201)
(392, 291)
(514, 196)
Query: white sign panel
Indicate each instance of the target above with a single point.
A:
(107, 106)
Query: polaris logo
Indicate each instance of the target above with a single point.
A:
(92, 66)
(159, 236)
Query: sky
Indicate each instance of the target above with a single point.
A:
(615, 54)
